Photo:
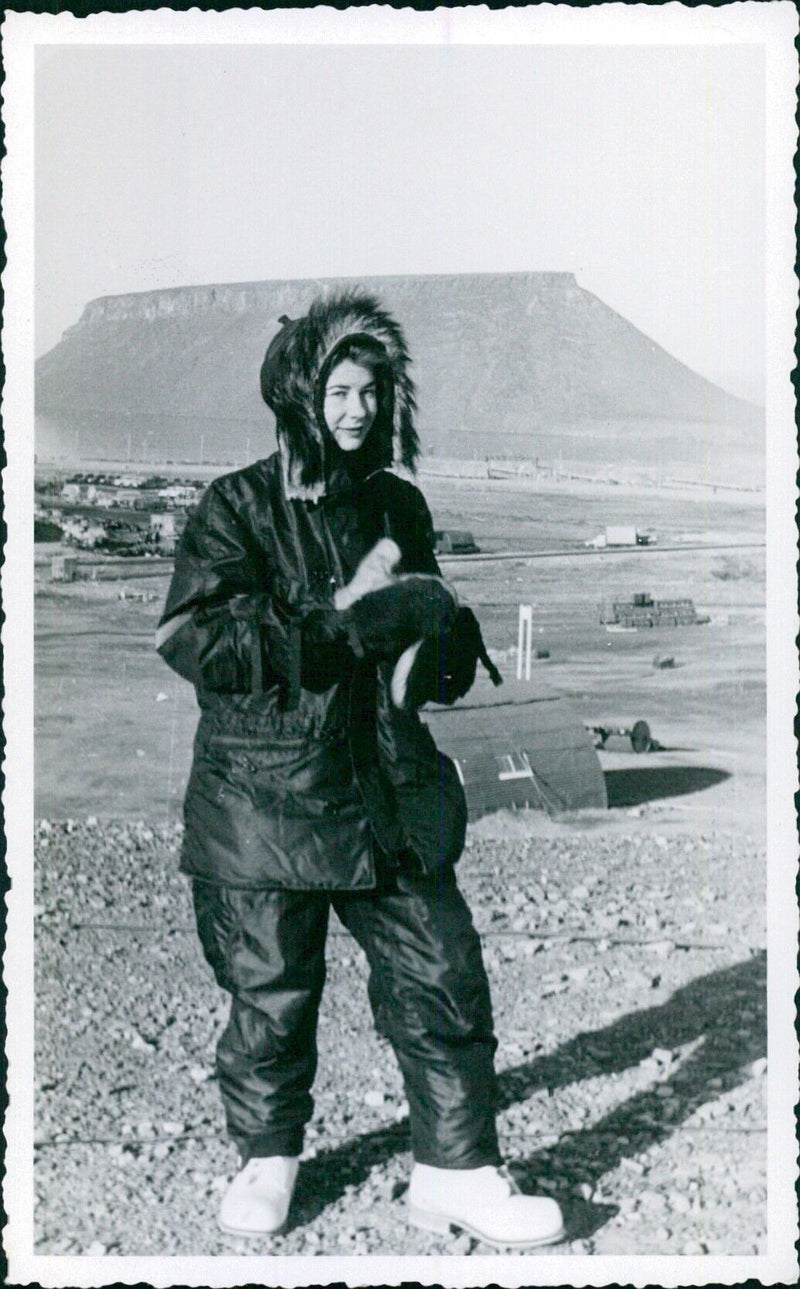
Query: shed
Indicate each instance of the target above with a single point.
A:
(451, 541)
(62, 568)
(513, 747)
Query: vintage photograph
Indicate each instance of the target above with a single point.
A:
(401, 563)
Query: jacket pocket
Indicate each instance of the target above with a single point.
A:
(263, 718)
(245, 762)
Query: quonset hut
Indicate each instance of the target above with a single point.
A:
(518, 747)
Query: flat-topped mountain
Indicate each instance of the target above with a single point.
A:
(515, 364)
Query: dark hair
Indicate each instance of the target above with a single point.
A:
(369, 353)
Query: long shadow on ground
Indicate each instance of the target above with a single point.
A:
(725, 1010)
(632, 787)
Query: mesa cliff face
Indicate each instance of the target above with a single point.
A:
(499, 360)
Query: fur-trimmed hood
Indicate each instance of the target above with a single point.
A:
(289, 379)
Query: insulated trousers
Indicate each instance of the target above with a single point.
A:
(427, 988)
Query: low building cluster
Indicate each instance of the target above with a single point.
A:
(119, 513)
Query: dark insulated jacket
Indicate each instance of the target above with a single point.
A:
(305, 774)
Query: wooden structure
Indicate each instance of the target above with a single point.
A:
(643, 611)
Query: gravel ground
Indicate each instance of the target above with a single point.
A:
(628, 978)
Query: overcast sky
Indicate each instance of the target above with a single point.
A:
(641, 170)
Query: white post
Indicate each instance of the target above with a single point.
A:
(524, 639)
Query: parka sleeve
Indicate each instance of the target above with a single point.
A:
(229, 625)
(420, 557)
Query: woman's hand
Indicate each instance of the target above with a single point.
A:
(373, 574)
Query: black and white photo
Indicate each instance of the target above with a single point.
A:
(399, 600)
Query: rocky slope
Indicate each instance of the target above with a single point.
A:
(627, 974)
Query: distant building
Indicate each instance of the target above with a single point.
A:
(163, 522)
(126, 496)
(448, 541)
(620, 535)
(178, 492)
(62, 568)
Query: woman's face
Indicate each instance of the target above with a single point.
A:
(351, 404)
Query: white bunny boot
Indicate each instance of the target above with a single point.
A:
(257, 1200)
(486, 1203)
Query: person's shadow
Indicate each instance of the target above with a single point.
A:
(723, 1013)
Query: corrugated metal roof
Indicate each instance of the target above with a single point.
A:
(519, 746)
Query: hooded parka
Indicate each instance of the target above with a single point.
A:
(305, 774)
(310, 788)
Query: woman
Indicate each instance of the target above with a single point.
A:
(307, 609)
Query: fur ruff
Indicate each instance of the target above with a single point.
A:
(289, 379)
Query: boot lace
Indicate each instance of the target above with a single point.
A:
(504, 1172)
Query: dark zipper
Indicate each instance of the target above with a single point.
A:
(337, 578)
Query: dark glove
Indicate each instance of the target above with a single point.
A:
(326, 648)
(329, 635)
(442, 670)
(313, 644)
(413, 608)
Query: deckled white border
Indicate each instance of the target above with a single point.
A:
(772, 26)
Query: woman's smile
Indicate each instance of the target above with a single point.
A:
(351, 404)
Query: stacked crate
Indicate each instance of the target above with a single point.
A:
(642, 611)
